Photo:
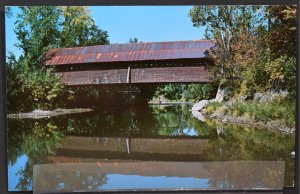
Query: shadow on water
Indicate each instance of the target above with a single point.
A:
(136, 133)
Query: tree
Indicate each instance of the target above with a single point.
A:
(230, 26)
(255, 46)
(40, 28)
(282, 24)
(8, 12)
(281, 62)
(79, 29)
(37, 30)
(133, 40)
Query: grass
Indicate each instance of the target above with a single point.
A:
(277, 110)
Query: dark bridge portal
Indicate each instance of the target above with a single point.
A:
(157, 62)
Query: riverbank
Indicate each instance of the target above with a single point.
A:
(274, 115)
(248, 122)
(38, 114)
(168, 103)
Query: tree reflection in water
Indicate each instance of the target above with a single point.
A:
(74, 181)
(38, 139)
(35, 139)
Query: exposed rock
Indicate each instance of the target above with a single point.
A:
(203, 103)
(268, 97)
(212, 100)
(293, 154)
(257, 96)
(199, 115)
(225, 120)
(38, 114)
(200, 105)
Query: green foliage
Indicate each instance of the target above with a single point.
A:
(255, 46)
(282, 74)
(29, 89)
(79, 29)
(133, 40)
(170, 91)
(233, 28)
(8, 12)
(39, 28)
(211, 107)
(282, 24)
(35, 140)
(197, 92)
(185, 92)
(282, 111)
(249, 143)
(231, 20)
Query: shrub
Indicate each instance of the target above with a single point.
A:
(29, 88)
(197, 92)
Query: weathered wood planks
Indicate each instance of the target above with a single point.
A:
(187, 74)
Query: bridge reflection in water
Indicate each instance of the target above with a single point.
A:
(99, 163)
(228, 175)
(131, 148)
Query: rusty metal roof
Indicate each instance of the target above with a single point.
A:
(129, 52)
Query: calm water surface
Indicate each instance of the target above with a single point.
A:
(165, 135)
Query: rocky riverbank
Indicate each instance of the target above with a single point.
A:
(38, 114)
(168, 103)
(233, 111)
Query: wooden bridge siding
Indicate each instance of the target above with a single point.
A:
(137, 75)
(169, 75)
(93, 77)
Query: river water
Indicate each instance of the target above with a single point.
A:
(156, 145)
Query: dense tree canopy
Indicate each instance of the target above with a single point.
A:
(255, 46)
(282, 32)
(79, 29)
(38, 29)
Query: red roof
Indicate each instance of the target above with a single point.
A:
(129, 52)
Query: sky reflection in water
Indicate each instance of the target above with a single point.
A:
(109, 134)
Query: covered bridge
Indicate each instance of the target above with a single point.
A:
(155, 62)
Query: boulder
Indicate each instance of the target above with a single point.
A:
(257, 96)
(198, 115)
(270, 96)
(200, 105)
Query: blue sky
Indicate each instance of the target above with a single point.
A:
(147, 23)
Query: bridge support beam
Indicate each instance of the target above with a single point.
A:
(128, 75)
